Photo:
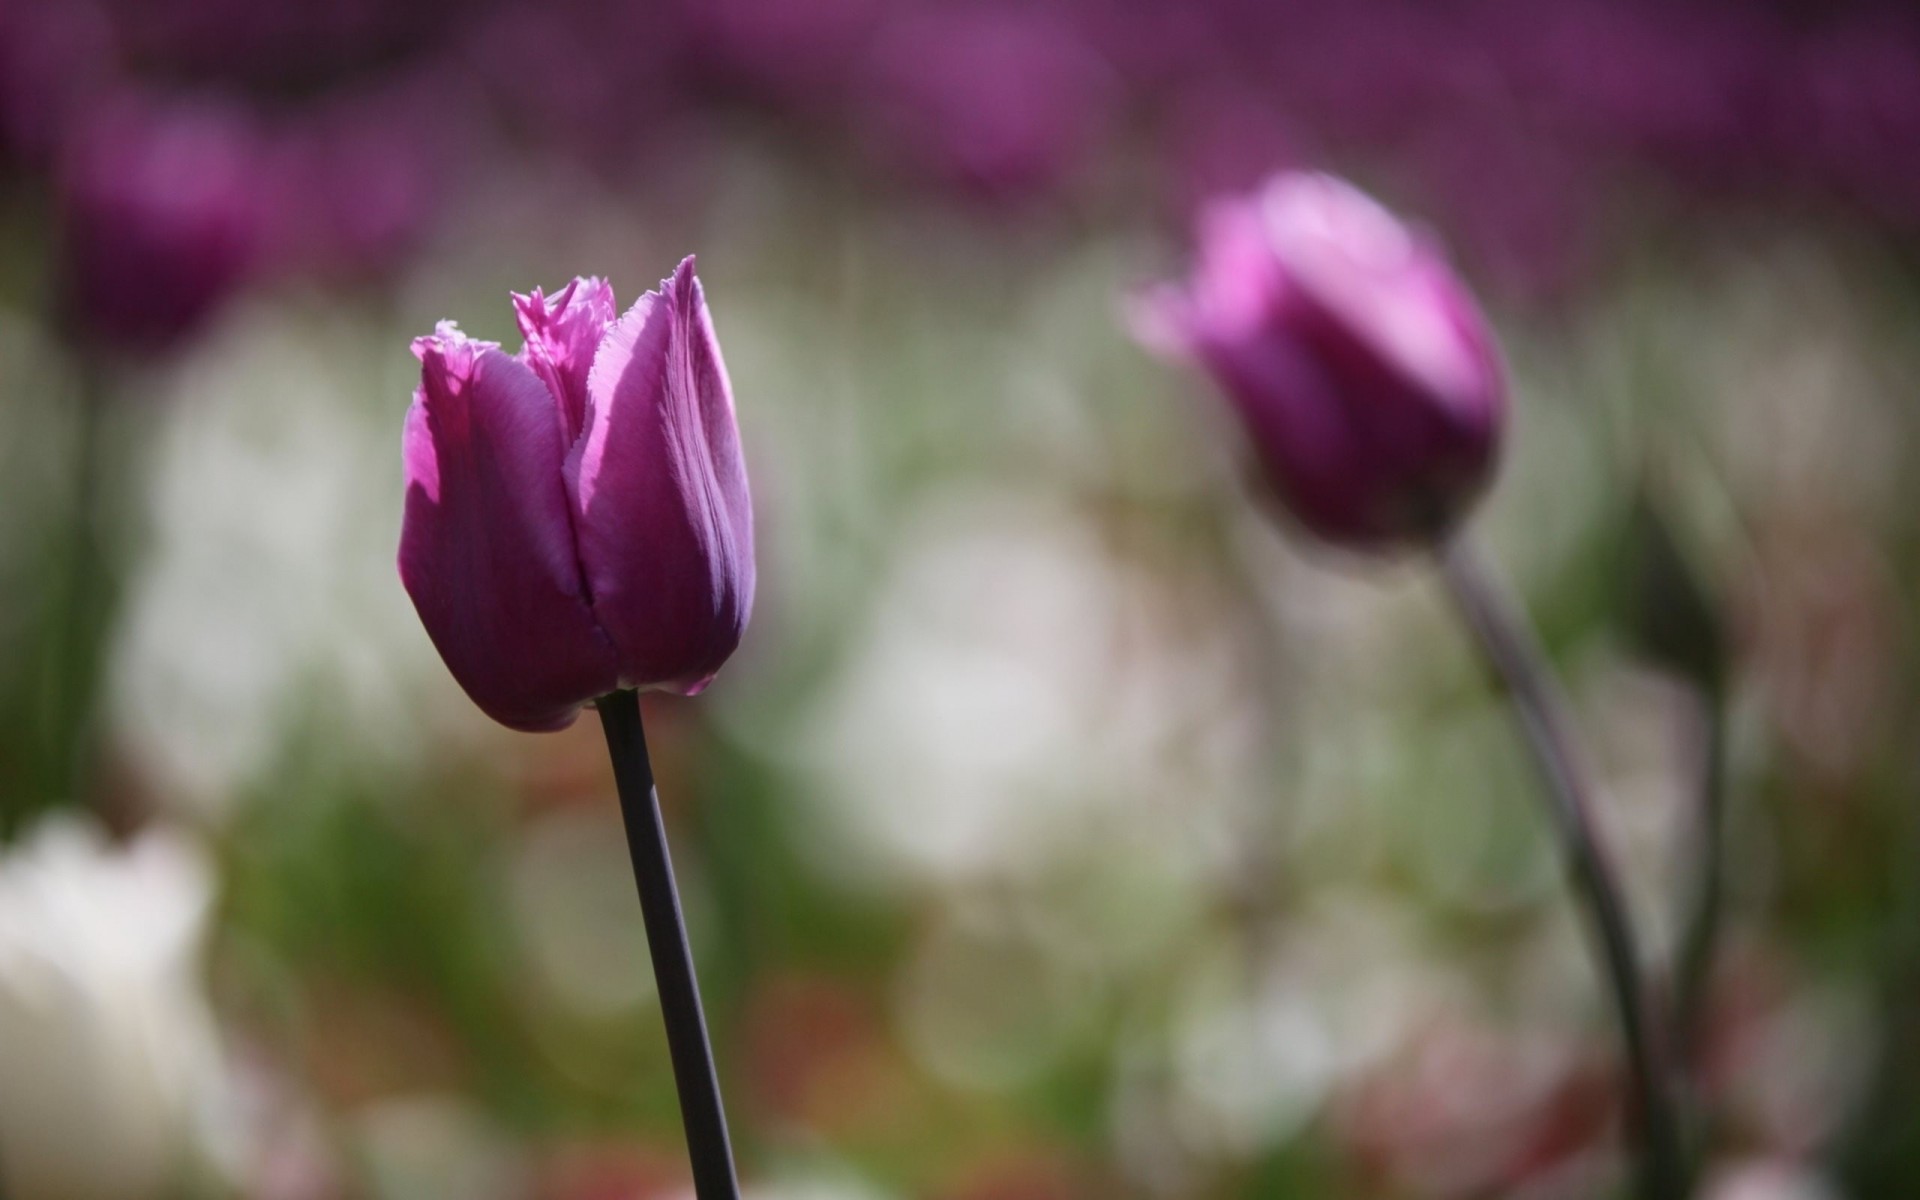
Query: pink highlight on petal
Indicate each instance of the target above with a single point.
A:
(710, 433)
(1367, 380)
(422, 464)
(1344, 252)
(562, 336)
(660, 493)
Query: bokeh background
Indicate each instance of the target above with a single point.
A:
(1066, 827)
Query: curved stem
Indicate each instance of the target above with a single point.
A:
(1506, 640)
(1693, 973)
(693, 1074)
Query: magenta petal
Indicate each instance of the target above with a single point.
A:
(562, 334)
(1369, 383)
(486, 548)
(663, 520)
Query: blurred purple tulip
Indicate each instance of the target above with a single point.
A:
(1221, 137)
(797, 56)
(577, 518)
(53, 57)
(1368, 382)
(358, 178)
(1847, 112)
(160, 218)
(290, 47)
(594, 77)
(1001, 102)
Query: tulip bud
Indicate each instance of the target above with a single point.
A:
(577, 518)
(1368, 382)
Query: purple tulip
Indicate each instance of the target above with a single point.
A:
(577, 516)
(1366, 378)
(161, 218)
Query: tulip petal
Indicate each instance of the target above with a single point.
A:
(562, 334)
(661, 510)
(486, 546)
(1369, 384)
(1374, 280)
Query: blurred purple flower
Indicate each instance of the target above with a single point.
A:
(577, 518)
(1678, 87)
(1223, 137)
(796, 55)
(1003, 102)
(1848, 112)
(160, 214)
(1517, 206)
(53, 57)
(1369, 73)
(289, 47)
(357, 180)
(1368, 381)
(593, 77)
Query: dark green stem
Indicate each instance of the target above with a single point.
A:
(1505, 637)
(693, 1071)
(1694, 970)
(70, 654)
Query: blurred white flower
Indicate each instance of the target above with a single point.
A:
(109, 1074)
(1018, 689)
(1262, 1041)
(1254, 1070)
(992, 998)
(1800, 401)
(1799, 1067)
(817, 1182)
(1767, 1179)
(570, 883)
(267, 591)
(820, 1188)
(437, 1147)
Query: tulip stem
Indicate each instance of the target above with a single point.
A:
(693, 1072)
(72, 663)
(1694, 970)
(1511, 650)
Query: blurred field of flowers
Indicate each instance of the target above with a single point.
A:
(1064, 828)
